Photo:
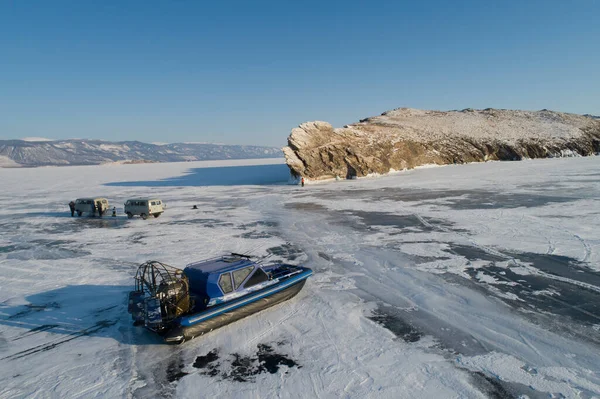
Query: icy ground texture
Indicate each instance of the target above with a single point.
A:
(477, 280)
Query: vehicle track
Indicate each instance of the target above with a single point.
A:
(101, 325)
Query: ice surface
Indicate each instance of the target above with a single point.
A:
(476, 280)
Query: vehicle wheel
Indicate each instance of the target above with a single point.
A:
(79, 213)
(144, 216)
(156, 215)
(129, 215)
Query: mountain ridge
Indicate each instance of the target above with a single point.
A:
(67, 152)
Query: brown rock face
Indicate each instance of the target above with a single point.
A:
(404, 138)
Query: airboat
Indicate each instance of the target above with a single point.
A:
(182, 304)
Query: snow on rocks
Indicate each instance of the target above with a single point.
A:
(406, 138)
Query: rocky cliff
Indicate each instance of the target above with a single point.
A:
(404, 138)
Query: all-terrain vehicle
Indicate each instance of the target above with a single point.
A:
(144, 207)
(91, 206)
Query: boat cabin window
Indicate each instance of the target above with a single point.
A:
(240, 275)
(258, 277)
(225, 283)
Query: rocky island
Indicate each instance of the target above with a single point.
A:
(405, 138)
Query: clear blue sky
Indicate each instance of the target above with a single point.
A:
(247, 72)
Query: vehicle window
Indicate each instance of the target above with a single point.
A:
(225, 283)
(240, 275)
(258, 277)
(158, 202)
(143, 203)
(153, 202)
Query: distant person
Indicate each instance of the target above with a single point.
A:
(194, 207)
(114, 212)
(302, 182)
(99, 206)
(72, 208)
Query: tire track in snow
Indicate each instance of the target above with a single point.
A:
(36, 330)
(282, 320)
(101, 325)
(586, 248)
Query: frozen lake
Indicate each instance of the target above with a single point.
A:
(479, 280)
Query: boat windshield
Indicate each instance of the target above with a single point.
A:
(258, 277)
(240, 275)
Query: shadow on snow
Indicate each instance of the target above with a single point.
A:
(55, 317)
(220, 176)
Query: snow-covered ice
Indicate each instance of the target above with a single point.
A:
(478, 280)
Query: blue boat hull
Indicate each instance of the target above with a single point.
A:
(188, 328)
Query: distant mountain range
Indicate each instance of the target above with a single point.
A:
(15, 153)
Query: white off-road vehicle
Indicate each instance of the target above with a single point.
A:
(144, 207)
(91, 206)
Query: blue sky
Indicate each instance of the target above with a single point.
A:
(248, 72)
